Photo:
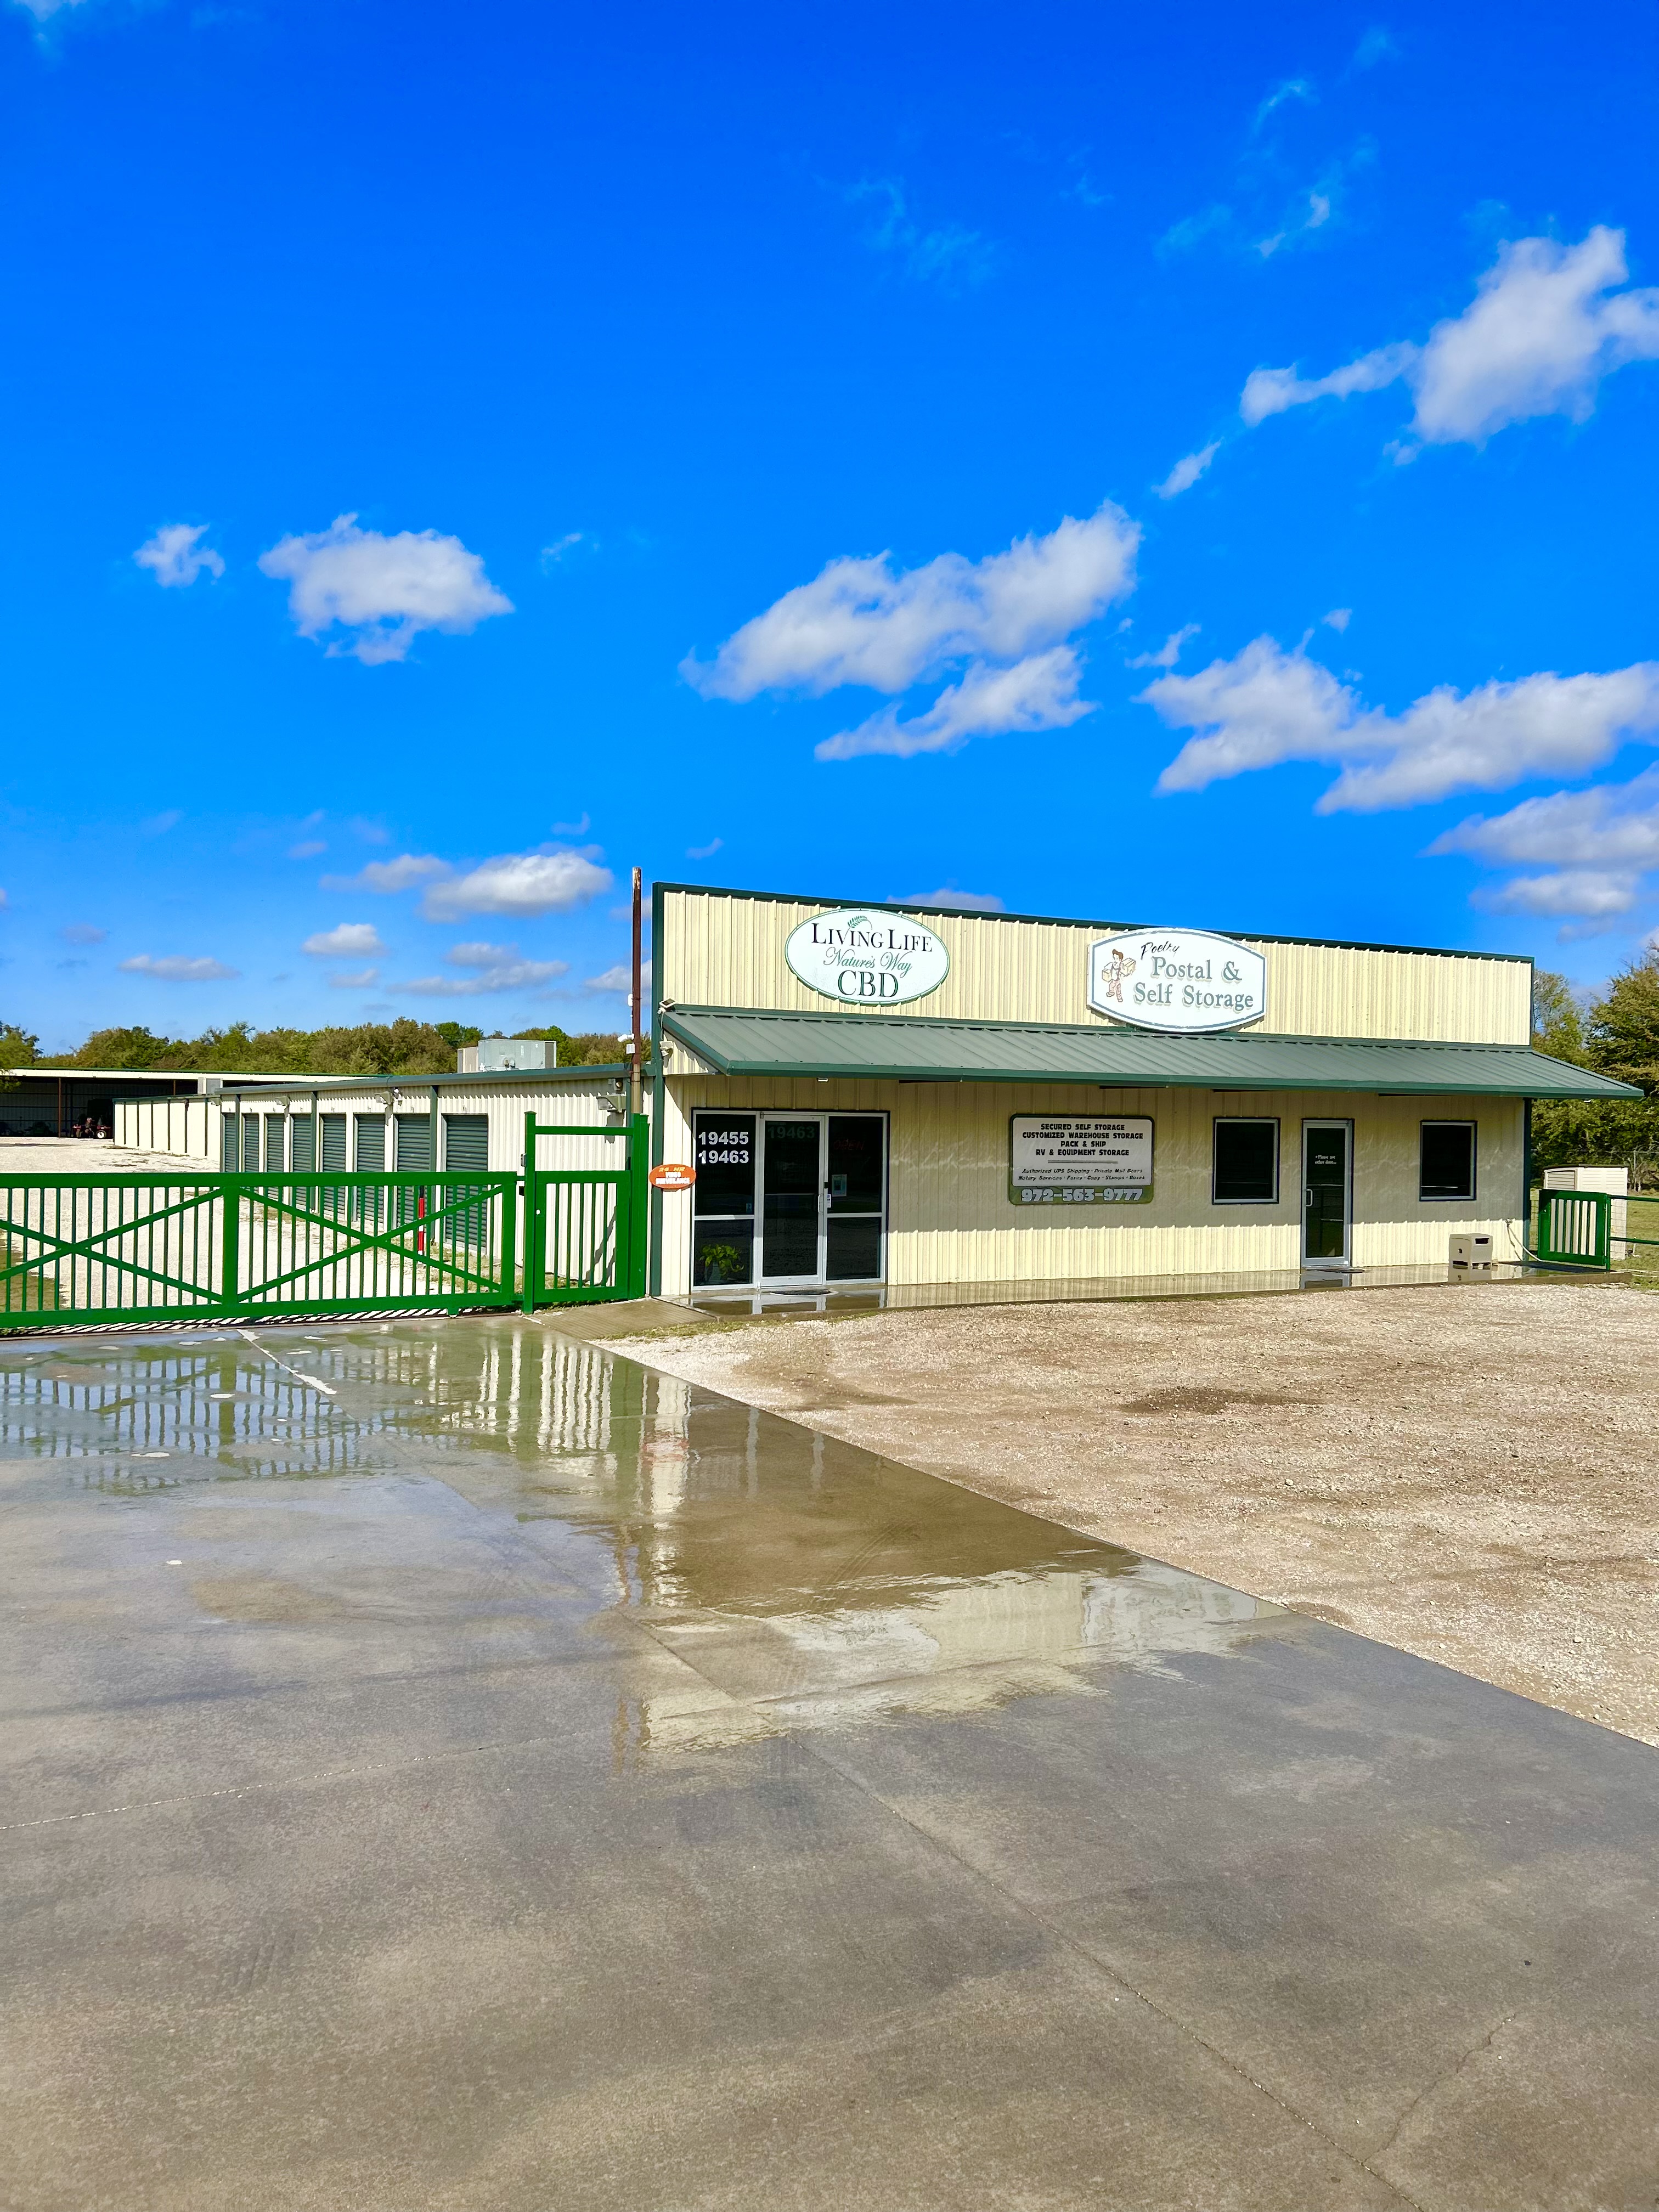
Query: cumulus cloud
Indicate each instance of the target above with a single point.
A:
(352, 940)
(1599, 842)
(504, 975)
(385, 877)
(861, 621)
(552, 881)
(175, 555)
(1546, 325)
(1037, 694)
(178, 968)
(619, 978)
(1267, 706)
(1594, 894)
(974, 902)
(380, 590)
(1186, 473)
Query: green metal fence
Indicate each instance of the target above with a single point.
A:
(210, 1247)
(1575, 1228)
(584, 1228)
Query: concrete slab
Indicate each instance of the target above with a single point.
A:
(447, 1765)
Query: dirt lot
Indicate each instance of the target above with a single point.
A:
(1470, 1473)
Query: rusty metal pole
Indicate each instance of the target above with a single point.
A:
(636, 1068)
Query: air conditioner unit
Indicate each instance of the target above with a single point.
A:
(1472, 1253)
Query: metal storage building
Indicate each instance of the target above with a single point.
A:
(881, 1096)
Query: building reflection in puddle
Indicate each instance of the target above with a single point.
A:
(755, 1578)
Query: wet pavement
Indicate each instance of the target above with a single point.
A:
(447, 1766)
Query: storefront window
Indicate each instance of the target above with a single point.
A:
(1246, 1163)
(723, 1199)
(1447, 1166)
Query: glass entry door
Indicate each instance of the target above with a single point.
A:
(792, 1196)
(793, 1199)
(823, 1184)
(1327, 1186)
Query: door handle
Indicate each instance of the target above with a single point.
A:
(1307, 1196)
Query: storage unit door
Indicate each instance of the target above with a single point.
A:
(466, 1151)
(275, 1148)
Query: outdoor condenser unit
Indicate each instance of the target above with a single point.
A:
(1471, 1251)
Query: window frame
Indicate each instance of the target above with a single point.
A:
(1453, 1197)
(1258, 1120)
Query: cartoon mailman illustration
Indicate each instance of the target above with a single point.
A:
(1113, 973)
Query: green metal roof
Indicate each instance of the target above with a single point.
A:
(917, 1050)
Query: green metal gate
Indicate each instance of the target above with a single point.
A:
(199, 1245)
(585, 1227)
(1575, 1227)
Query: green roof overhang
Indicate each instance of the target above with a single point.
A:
(910, 1048)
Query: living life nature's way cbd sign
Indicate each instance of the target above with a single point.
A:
(1177, 979)
(867, 959)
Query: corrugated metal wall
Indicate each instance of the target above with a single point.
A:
(725, 952)
(193, 1126)
(951, 1220)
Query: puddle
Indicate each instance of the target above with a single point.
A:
(751, 1577)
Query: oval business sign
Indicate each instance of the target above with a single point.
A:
(1177, 979)
(867, 959)
(672, 1174)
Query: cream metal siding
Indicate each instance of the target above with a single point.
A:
(728, 951)
(949, 1218)
(189, 1126)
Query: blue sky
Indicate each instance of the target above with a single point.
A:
(562, 438)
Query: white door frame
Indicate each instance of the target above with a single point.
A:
(765, 1116)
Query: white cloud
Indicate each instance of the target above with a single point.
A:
(177, 968)
(353, 979)
(1596, 893)
(552, 881)
(861, 621)
(76, 932)
(1186, 473)
(307, 849)
(1611, 826)
(175, 556)
(1271, 391)
(1038, 694)
(352, 940)
(1337, 619)
(950, 255)
(1546, 325)
(1267, 706)
(974, 902)
(619, 978)
(385, 877)
(1169, 652)
(381, 591)
(704, 852)
(505, 975)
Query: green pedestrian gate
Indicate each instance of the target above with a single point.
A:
(584, 1228)
(197, 1245)
(1576, 1229)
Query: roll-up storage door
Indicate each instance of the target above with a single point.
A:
(275, 1148)
(371, 1160)
(411, 1153)
(466, 1151)
(332, 1133)
(250, 1144)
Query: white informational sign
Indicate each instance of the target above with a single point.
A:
(867, 959)
(1079, 1159)
(1177, 979)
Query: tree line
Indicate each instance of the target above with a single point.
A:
(400, 1047)
(1616, 1032)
